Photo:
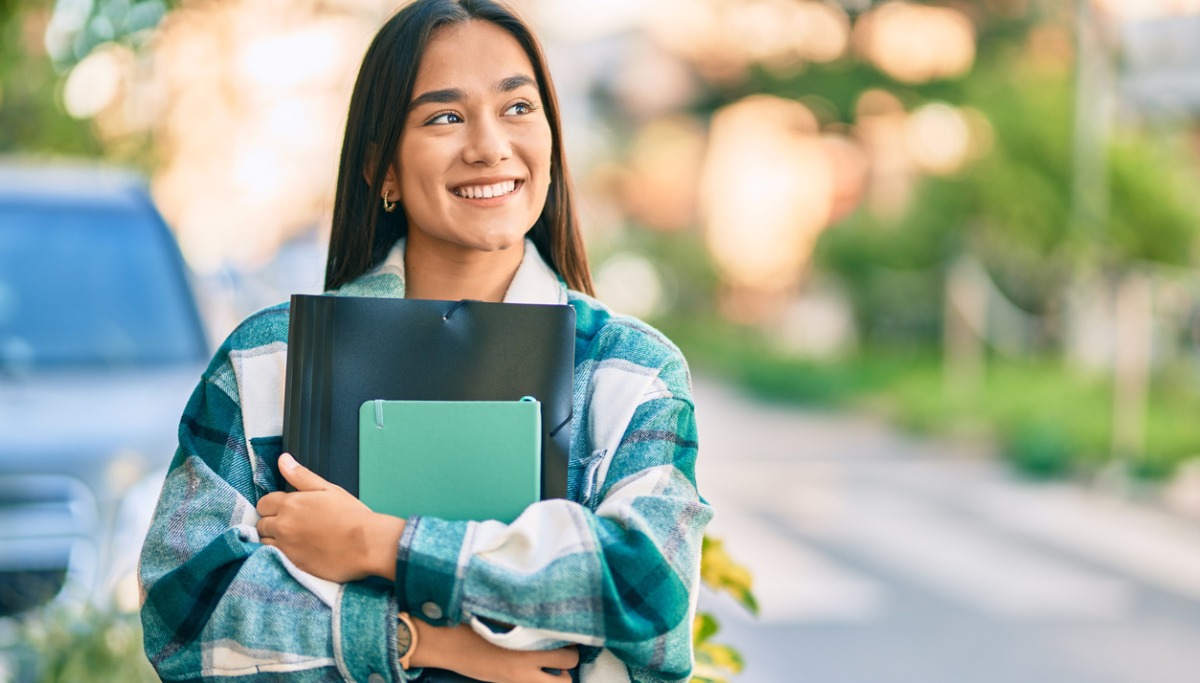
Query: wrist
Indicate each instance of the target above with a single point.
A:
(384, 535)
(440, 645)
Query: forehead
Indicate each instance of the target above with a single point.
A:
(471, 53)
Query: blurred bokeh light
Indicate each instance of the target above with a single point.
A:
(767, 192)
(917, 43)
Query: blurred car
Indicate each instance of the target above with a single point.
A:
(101, 342)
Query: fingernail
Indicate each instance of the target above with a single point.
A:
(286, 461)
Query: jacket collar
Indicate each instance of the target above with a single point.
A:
(534, 282)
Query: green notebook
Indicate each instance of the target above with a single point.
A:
(455, 460)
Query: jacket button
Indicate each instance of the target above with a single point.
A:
(432, 610)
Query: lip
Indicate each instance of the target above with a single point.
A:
(488, 180)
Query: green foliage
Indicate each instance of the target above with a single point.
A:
(1013, 208)
(722, 573)
(1154, 216)
(1040, 448)
(1048, 419)
(32, 119)
(716, 662)
(894, 272)
(128, 22)
(86, 644)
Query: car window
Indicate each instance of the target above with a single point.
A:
(86, 286)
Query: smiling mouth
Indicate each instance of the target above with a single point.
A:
(487, 191)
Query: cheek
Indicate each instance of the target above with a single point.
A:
(420, 172)
(546, 147)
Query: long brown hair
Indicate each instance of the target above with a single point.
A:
(362, 232)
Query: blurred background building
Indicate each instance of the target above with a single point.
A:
(975, 220)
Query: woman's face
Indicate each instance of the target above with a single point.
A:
(473, 165)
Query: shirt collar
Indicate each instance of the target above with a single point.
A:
(535, 282)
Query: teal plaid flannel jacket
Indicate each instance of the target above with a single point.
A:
(615, 568)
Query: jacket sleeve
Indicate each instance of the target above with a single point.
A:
(217, 604)
(619, 569)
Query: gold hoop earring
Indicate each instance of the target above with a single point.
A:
(388, 206)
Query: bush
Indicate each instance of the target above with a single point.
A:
(73, 644)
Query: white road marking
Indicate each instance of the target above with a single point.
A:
(966, 561)
(1152, 546)
(792, 582)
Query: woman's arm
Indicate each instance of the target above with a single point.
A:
(619, 570)
(217, 602)
(329, 533)
(622, 576)
(460, 649)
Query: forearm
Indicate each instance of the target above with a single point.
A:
(218, 603)
(459, 648)
(563, 574)
(620, 575)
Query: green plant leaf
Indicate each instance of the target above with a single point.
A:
(721, 572)
(719, 658)
(705, 627)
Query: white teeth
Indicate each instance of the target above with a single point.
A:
(486, 191)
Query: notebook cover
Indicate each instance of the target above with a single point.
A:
(344, 351)
(455, 460)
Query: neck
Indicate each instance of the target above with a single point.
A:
(436, 271)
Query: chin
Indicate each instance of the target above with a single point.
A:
(481, 238)
(498, 241)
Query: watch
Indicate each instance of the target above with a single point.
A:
(406, 639)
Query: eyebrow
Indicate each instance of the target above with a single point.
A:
(451, 95)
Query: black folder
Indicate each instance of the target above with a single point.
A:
(344, 351)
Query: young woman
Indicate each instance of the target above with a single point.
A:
(452, 185)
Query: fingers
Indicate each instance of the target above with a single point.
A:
(300, 476)
(266, 529)
(269, 504)
(562, 658)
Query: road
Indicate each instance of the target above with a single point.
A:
(881, 558)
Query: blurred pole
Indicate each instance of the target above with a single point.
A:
(1094, 108)
(1093, 125)
(965, 328)
(1131, 366)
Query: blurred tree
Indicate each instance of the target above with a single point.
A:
(1012, 208)
(36, 54)
(32, 119)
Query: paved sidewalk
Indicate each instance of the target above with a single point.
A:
(881, 558)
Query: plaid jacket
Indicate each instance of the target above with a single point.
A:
(614, 568)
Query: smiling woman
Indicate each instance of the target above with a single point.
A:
(476, 109)
(452, 185)
(473, 165)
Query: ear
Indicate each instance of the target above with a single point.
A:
(391, 179)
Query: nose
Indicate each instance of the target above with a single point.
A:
(487, 143)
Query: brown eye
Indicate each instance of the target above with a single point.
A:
(444, 119)
(519, 109)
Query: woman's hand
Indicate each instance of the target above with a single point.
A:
(460, 649)
(326, 531)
